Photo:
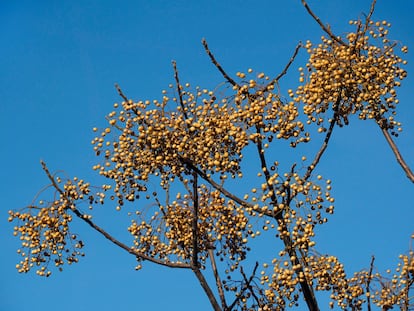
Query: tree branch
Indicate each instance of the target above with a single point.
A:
(248, 281)
(180, 94)
(246, 285)
(107, 235)
(263, 165)
(195, 221)
(207, 289)
(280, 75)
(118, 88)
(215, 185)
(325, 142)
(326, 29)
(371, 267)
(397, 154)
(217, 277)
(213, 59)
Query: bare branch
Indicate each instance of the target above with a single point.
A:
(246, 285)
(118, 88)
(398, 155)
(280, 75)
(263, 164)
(248, 281)
(213, 59)
(107, 235)
(217, 277)
(178, 85)
(207, 289)
(371, 267)
(326, 140)
(371, 11)
(216, 186)
(195, 221)
(326, 29)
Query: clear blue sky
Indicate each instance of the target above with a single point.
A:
(59, 61)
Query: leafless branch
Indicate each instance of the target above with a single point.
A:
(195, 221)
(107, 235)
(371, 11)
(280, 75)
(264, 167)
(178, 85)
(215, 185)
(326, 140)
(371, 267)
(213, 59)
(248, 281)
(217, 277)
(246, 284)
(398, 155)
(305, 285)
(118, 88)
(325, 28)
(207, 289)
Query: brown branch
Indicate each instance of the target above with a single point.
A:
(280, 75)
(371, 267)
(217, 277)
(325, 142)
(107, 235)
(326, 29)
(195, 221)
(180, 94)
(263, 165)
(246, 285)
(215, 185)
(371, 11)
(118, 88)
(213, 59)
(307, 289)
(248, 281)
(207, 289)
(397, 154)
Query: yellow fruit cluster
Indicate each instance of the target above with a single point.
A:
(359, 76)
(396, 290)
(46, 238)
(168, 234)
(44, 229)
(164, 138)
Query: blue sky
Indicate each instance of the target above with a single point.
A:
(59, 62)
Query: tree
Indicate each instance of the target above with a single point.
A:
(178, 161)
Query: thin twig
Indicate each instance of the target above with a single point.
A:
(246, 285)
(248, 281)
(371, 267)
(118, 88)
(178, 85)
(280, 75)
(217, 277)
(195, 221)
(326, 29)
(106, 234)
(398, 155)
(371, 11)
(213, 59)
(325, 142)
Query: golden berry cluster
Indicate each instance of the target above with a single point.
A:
(44, 229)
(169, 233)
(397, 289)
(358, 76)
